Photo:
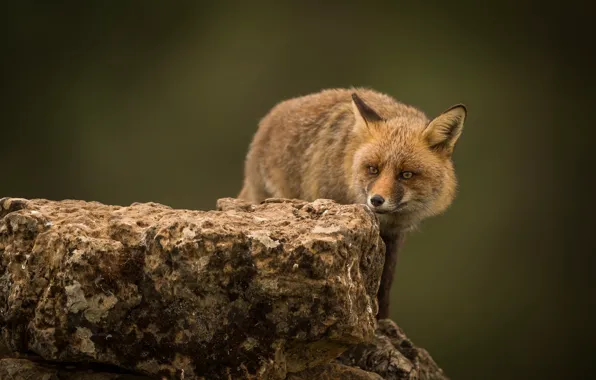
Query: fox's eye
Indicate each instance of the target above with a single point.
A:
(373, 170)
(406, 175)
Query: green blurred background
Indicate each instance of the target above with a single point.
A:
(157, 101)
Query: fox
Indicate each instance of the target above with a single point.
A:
(358, 146)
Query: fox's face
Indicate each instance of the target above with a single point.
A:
(403, 169)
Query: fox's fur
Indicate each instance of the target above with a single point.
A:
(351, 145)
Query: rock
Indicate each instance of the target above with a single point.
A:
(247, 292)
(334, 371)
(23, 369)
(392, 356)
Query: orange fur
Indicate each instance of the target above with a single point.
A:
(358, 146)
(322, 145)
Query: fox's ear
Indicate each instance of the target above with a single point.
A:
(444, 130)
(363, 112)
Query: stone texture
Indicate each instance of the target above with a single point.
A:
(392, 356)
(334, 371)
(247, 292)
(24, 369)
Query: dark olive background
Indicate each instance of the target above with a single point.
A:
(157, 101)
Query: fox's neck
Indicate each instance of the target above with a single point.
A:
(392, 225)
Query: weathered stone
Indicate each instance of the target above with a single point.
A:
(423, 362)
(23, 369)
(392, 356)
(247, 292)
(334, 371)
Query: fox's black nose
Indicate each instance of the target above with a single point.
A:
(377, 200)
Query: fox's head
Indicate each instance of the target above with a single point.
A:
(402, 166)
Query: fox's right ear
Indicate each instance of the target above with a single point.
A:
(363, 112)
(443, 131)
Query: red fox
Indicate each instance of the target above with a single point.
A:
(358, 146)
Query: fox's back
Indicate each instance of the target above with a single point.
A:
(300, 146)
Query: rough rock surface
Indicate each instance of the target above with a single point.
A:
(334, 371)
(245, 292)
(24, 369)
(392, 356)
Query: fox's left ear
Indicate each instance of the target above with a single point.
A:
(444, 130)
(363, 112)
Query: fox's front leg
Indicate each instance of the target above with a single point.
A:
(393, 244)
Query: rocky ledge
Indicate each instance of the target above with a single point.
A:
(281, 290)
